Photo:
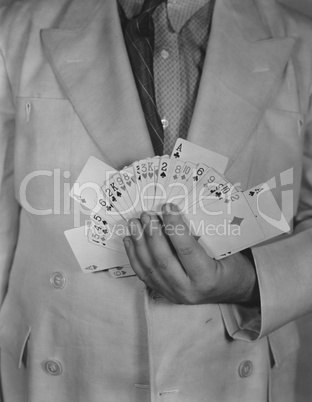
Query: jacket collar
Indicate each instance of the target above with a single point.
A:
(243, 66)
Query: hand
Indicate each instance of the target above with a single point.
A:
(169, 260)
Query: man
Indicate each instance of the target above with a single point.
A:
(199, 331)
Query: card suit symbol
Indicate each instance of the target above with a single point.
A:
(123, 272)
(163, 175)
(176, 155)
(83, 200)
(237, 221)
(195, 178)
(104, 222)
(218, 194)
(175, 177)
(128, 183)
(144, 175)
(105, 231)
(183, 177)
(123, 188)
(119, 194)
(114, 199)
(108, 208)
(251, 193)
(91, 268)
(150, 175)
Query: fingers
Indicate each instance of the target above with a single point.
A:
(192, 256)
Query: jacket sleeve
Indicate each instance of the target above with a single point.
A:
(284, 269)
(9, 208)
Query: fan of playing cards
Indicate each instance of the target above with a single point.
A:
(224, 218)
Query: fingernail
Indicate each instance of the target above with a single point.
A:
(145, 218)
(167, 208)
(127, 242)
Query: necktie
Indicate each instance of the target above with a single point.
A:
(139, 39)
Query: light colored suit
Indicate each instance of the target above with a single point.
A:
(67, 92)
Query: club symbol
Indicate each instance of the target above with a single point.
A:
(91, 268)
(114, 199)
(176, 155)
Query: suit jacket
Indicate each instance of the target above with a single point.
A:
(67, 92)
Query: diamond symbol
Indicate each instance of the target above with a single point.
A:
(237, 221)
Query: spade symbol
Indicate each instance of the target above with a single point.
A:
(251, 193)
(118, 194)
(163, 175)
(176, 155)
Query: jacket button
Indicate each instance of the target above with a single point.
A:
(245, 369)
(53, 367)
(58, 280)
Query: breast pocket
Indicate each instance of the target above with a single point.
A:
(43, 130)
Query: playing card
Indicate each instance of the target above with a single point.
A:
(225, 227)
(129, 180)
(91, 258)
(103, 236)
(87, 188)
(116, 190)
(266, 210)
(212, 186)
(189, 151)
(181, 187)
(161, 182)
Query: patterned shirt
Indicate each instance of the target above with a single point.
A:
(181, 35)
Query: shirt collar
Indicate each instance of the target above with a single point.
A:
(179, 11)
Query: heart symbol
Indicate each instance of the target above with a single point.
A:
(144, 175)
(150, 175)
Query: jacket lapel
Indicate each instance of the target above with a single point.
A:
(242, 68)
(89, 58)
